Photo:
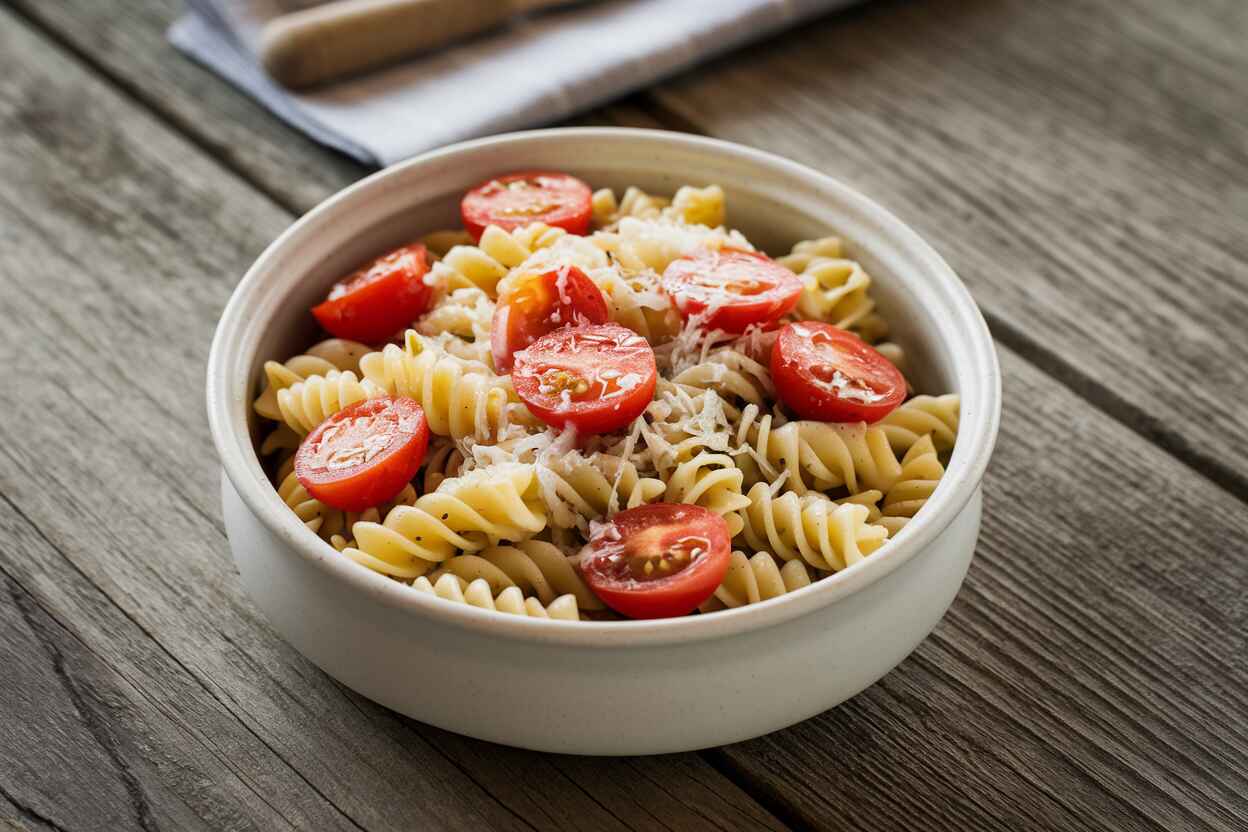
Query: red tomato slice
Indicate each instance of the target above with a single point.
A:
(596, 378)
(657, 561)
(532, 305)
(738, 287)
(363, 456)
(379, 299)
(832, 375)
(520, 199)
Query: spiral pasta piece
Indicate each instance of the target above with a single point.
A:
(280, 440)
(511, 600)
(603, 207)
(682, 422)
(834, 289)
(536, 567)
(921, 416)
(466, 314)
(920, 474)
(713, 482)
(373, 514)
(325, 520)
(577, 489)
(871, 499)
(824, 534)
(690, 206)
(307, 508)
(820, 456)
(699, 206)
(443, 461)
(321, 359)
(757, 578)
(483, 265)
(750, 436)
(306, 404)
(638, 244)
(634, 301)
(606, 210)
(467, 514)
(460, 398)
(731, 373)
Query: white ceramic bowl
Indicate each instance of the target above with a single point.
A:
(636, 687)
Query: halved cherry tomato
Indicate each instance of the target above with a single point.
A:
(738, 287)
(596, 378)
(531, 305)
(520, 199)
(363, 456)
(378, 300)
(657, 561)
(832, 375)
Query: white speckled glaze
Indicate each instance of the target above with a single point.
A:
(556, 685)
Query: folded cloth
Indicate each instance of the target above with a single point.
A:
(537, 69)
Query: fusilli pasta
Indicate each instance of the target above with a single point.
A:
(465, 514)
(502, 506)
(711, 481)
(460, 398)
(825, 534)
(307, 403)
(756, 578)
(936, 416)
(821, 456)
(321, 359)
(920, 474)
(483, 265)
(511, 600)
(577, 489)
(834, 288)
(537, 568)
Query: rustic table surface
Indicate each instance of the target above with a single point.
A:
(1083, 165)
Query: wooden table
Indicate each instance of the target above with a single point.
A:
(1083, 165)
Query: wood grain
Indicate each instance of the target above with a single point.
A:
(1090, 675)
(143, 666)
(125, 42)
(1084, 167)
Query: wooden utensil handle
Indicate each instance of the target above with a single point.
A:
(328, 42)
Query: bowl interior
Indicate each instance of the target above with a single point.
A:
(773, 201)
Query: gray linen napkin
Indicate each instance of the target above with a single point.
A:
(538, 69)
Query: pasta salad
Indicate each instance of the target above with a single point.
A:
(589, 407)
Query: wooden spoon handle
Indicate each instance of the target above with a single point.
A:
(328, 42)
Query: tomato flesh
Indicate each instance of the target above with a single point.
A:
(520, 199)
(362, 456)
(657, 561)
(595, 378)
(731, 287)
(532, 305)
(829, 374)
(379, 299)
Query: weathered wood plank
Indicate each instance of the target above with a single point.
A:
(1084, 166)
(126, 41)
(1091, 674)
(1076, 163)
(119, 243)
(96, 744)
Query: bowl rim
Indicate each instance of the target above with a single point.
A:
(976, 435)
